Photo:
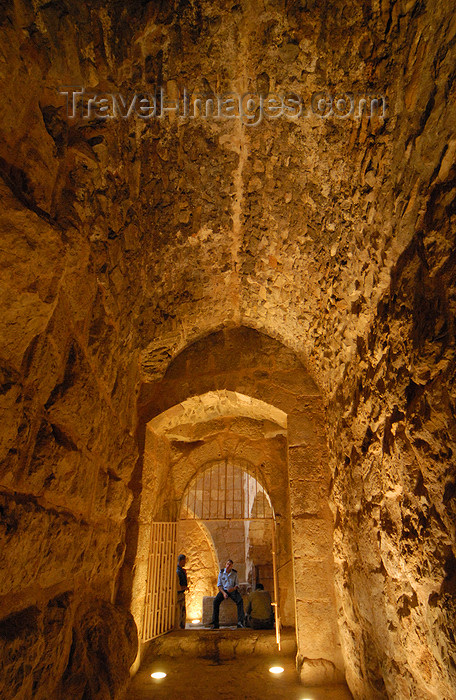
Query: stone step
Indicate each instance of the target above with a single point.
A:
(225, 643)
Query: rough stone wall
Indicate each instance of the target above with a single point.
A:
(291, 229)
(393, 446)
(68, 374)
(67, 648)
(194, 541)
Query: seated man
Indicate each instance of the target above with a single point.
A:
(260, 615)
(228, 585)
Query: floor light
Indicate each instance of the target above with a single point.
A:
(158, 674)
(276, 669)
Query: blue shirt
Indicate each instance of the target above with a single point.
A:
(226, 581)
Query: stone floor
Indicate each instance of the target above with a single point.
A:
(228, 663)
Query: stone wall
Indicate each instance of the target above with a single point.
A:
(393, 438)
(123, 238)
(67, 447)
(194, 540)
(68, 377)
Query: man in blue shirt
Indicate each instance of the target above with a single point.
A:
(228, 585)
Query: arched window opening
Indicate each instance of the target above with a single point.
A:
(237, 513)
(224, 491)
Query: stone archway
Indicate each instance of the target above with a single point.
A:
(223, 500)
(246, 362)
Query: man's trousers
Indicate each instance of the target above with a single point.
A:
(234, 595)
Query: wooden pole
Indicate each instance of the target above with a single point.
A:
(276, 586)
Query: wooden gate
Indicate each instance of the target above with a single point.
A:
(161, 585)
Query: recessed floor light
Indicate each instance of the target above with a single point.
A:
(158, 674)
(276, 669)
(196, 622)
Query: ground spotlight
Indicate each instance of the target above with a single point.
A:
(158, 674)
(276, 669)
(196, 622)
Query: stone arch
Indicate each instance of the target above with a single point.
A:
(214, 404)
(231, 538)
(161, 352)
(244, 361)
(238, 464)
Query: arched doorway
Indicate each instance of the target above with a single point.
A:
(236, 511)
(236, 375)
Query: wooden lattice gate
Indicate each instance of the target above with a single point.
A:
(161, 585)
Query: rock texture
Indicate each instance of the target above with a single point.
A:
(125, 241)
(66, 649)
(395, 497)
(202, 567)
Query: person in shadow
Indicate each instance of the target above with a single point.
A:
(259, 613)
(182, 588)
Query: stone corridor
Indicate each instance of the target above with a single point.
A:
(227, 664)
(228, 246)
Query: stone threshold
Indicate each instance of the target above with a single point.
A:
(226, 642)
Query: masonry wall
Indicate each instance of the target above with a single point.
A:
(393, 441)
(122, 239)
(194, 540)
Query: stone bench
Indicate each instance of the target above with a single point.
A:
(228, 610)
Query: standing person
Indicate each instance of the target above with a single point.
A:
(182, 587)
(259, 611)
(228, 586)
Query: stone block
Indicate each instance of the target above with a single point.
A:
(312, 579)
(306, 497)
(302, 430)
(296, 380)
(227, 611)
(307, 462)
(317, 625)
(319, 672)
(312, 537)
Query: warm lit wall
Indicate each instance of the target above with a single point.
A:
(336, 237)
(194, 540)
(395, 507)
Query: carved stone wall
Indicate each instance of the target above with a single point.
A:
(194, 541)
(124, 241)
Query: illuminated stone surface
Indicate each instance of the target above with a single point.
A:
(125, 242)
